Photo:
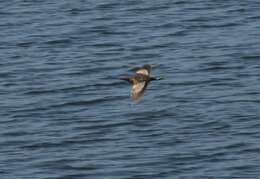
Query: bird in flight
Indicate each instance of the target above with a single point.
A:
(140, 81)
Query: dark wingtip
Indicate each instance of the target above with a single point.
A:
(123, 78)
(156, 78)
(159, 78)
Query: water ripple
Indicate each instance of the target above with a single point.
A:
(65, 113)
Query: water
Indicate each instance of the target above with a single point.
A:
(65, 114)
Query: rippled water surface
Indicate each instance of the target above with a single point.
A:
(65, 114)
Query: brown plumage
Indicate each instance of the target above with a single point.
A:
(139, 81)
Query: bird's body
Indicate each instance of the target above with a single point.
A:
(139, 81)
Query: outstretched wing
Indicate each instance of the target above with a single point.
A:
(138, 90)
(144, 70)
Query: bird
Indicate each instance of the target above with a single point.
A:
(140, 81)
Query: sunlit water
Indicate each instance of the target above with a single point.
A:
(65, 114)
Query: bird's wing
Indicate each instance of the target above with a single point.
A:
(137, 90)
(127, 78)
(144, 70)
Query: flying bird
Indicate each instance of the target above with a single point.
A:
(140, 81)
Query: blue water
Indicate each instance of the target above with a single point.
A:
(65, 114)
